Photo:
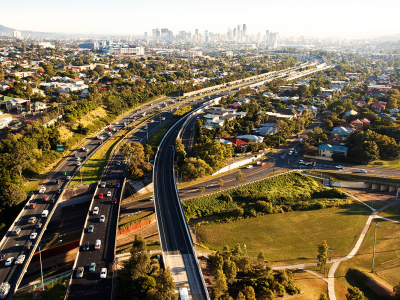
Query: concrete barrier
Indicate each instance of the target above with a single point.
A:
(384, 187)
(376, 186)
(357, 185)
(239, 163)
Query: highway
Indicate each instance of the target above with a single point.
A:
(12, 246)
(176, 242)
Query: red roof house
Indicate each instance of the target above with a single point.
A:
(238, 142)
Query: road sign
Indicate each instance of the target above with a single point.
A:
(60, 148)
(180, 179)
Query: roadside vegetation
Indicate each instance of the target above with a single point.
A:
(280, 194)
(336, 176)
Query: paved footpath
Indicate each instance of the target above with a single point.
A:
(336, 262)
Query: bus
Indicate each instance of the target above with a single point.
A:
(183, 293)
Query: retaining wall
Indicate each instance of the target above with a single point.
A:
(47, 253)
(136, 226)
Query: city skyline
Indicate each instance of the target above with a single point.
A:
(344, 20)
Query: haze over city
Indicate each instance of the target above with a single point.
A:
(343, 19)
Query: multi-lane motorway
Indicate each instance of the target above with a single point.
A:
(12, 246)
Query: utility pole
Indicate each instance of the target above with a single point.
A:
(373, 253)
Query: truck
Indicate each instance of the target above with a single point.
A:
(183, 293)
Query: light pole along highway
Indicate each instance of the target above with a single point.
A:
(176, 243)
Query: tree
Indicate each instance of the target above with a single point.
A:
(240, 176)
(366, 152)
(323, 297)
(133, 172)
(230, 270)
(249, 293)
(99, 69)
(396, 291)
(322, 254)
(220, 286)
(143, 284)
(148, 151)
(165, 285)
(11, 194)
(241, 296)
(354, 293)
(221, 183)
(139, 245)
(202, 189)
(196, 167)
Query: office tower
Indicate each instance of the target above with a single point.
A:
(145, 36)
(244, 31)
(274, 37)
(17, 33)
(239, 34)
(155, 32)
(234, 32)
(267, 36)
(164, 33)
(259, 37)
(196, 32)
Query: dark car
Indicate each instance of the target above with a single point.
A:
(58, 181)
(110, 184)
(114, 201)
(86, 247)
(117, 185)
(2, 256)
(59, 191)
(109, 172)
(45, 198)
(38, 225)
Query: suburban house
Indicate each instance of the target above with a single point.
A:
(254, 138)
(266, 129)
(357, 123)
(365, 121)
(238, 142)
(342, 131)
(378, 106)
(326, 150)
(37, 106)
(5, 120)
(349, 113)
(234, 105)
(275, 116)
(244, 100)
(222, 141)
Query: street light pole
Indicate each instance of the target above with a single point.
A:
(373, 253)
(41, 266)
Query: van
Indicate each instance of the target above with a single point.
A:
(45, 213)
(97, 245)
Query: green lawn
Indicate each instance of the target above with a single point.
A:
(93, 168)
(291, 238)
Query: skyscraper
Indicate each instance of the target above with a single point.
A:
(234, 32)
(244, 30)
(155, 32)
(145, 36)
(239, 34)
(267, 36)
(196, 32)
(17, 33)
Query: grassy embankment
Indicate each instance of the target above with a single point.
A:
(336, 176)
(54, 291)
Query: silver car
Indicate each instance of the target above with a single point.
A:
(79, 272)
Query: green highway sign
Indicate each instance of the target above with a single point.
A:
(60, 148)
(180, 179)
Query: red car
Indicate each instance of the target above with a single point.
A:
(45, 198)
(101, 196)
(114, 201)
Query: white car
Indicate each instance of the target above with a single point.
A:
(339, 167)
(91, 228)
(68, 177)
(33, 235)
(78, 164)
(102, 218)
(42, 190)
(96, 211)
(20, 260)
(9, 261)
(103, 184)
(118, 163)
(103, 273)
(109, 194)
(249, 166)
(361, 171)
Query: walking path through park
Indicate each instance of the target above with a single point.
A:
(336, 262)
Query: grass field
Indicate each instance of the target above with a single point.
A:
(291, 238)
(93, 168)
(387, 254)
(335, 176)
(311, 286)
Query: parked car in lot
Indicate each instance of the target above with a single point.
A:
(117, 185)
(2, 256)
(16, 231)
(42, 190)
(97, 245)
(109, 172)
(32, 205)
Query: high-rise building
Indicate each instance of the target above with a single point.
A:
(17, 33)
(267, 36)
(145, 36)
(244, 30)
(196, 32)
(155, 32)
(273, 38)
(239, 34)
(234, 32)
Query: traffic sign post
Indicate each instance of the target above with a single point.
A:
(60, 148)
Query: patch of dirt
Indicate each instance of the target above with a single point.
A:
(149, 232)
(371, 197)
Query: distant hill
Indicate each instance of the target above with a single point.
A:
(37, 34)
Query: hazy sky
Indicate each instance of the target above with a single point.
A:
(340, 18)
